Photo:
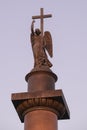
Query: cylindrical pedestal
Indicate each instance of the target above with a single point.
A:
(40, 120)
(41, 81)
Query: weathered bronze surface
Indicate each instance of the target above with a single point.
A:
(42, 105)
(41, 43)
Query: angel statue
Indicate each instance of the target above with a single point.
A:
(40, 46)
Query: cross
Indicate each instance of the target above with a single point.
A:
(41, 17)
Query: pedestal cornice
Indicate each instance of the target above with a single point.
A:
(52, 100)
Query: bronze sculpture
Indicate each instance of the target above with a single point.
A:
(41, 43)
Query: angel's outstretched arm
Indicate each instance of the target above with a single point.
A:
(32, 27)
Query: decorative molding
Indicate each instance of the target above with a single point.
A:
(38, 104)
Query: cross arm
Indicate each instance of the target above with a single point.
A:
(45, 16)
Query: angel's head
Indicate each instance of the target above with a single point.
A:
(37, 31)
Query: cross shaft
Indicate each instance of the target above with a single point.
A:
(41, 17)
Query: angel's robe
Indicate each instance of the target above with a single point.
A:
(38, 47)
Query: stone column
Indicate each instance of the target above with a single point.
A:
(40, 120)
(41, 117)
(42, 105)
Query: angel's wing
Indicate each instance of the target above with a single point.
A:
(48, 43)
